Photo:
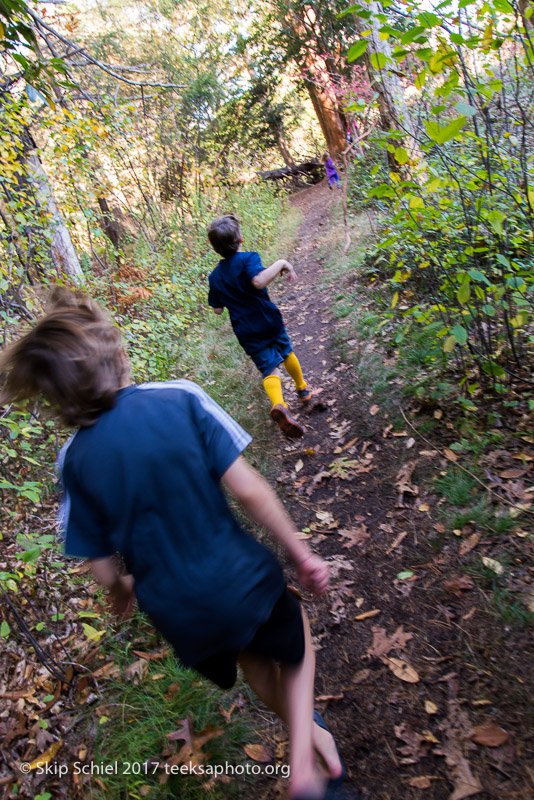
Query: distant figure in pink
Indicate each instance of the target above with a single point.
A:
(331, 172)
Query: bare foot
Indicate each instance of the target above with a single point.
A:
(311, 785)
(325, 746)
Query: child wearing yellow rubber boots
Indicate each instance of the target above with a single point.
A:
(239, 283)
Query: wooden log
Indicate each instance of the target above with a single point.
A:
(309, 169)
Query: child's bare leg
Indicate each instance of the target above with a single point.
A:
(287, 692)
(263, 676)
(297, 684)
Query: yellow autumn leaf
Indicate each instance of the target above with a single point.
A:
(401, 669)
(395, 300)
(430, 707)
(47, 756)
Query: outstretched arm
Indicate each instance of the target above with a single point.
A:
(263, 278)
(120, 587)
(261, 502)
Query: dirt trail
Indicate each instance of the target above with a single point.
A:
(401, 677)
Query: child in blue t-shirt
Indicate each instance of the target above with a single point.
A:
(143, 476)
(239, 283)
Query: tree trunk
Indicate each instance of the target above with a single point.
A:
(330, 118)
(62, 250)
(321, 88)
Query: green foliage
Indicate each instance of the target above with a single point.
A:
(457, 248)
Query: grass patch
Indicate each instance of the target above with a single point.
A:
(132, 727)
(458, 487)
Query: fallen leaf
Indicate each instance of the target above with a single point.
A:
(438, 413)
(154, 655)
(430, 707)
(467, 545)
(324, 516)
(423, 507)
(449, 454)
(422, 782)
(354, 536)
(410, 443)
(47, 756)
(374, 410)
(191, 751)
(403, 482)
(401, 669)
(405, 574)
(299, 465)
(512, 473)
(258, 752)
(492, 564)
(458, 584)
(489, 735)
(136, 670)
(402, 535)
(361, 676)
(366, 615)
(383, 644)
(326, 697)
(172, 691)
(414, 748)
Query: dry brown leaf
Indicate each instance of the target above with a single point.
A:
(191, 751)
(172, 691)
(402, 535)
(154, 655)
(299, 465)
(421, 782)
(383, 644)
(489, 735)
(325, 698)
(136, 670)
(414, 748)
(374, 410)
(458, 731)
(366, 615)
(458, 584)
(467, 545)
(509, 474)
(401, 669)
(361, 676)
(449, 454)
(438, 413)
(258, 752)
(403, 482)
(430, 707)
(354, 536)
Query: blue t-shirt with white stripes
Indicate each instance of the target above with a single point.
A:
(256, 320)
(145, 481)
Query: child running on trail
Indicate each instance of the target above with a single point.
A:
(143, 476)
(239, 283)
(331, 171)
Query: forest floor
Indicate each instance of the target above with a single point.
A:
(428, 693)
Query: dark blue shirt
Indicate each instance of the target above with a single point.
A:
(255, 318)
(144, 481)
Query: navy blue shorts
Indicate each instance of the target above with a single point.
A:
(281, 639)
(273, 354)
